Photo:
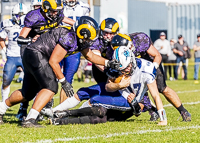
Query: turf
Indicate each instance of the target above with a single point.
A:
(135, 129)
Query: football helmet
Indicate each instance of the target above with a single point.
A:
(35, 3)
(87, 30)
(122, 40)
(109, 25)
(17, 11)
(51, 6)
(70, 3)
(125, 57)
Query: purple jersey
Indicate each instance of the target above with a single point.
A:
(142, 42)
(106, 51)
(36, 20)
(59, 35)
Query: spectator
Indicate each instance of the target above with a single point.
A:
(163, 46)
(172, 60)
(88, 71)
(196, 48)
(180, 49)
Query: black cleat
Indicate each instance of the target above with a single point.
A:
(1, 119)
(31, 123)
(186, 116)
(54, 121)
(154, 116)
(22, 113)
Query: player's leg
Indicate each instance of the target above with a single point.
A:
(42, 81)
(8, 74)
(171, 95)
(70, 67)
(88, 111)
(78, 120)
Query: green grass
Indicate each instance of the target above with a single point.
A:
(135, 129)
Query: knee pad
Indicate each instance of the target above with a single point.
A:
(99, 111)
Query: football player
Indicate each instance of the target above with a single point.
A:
(11, 28)
(73, 9)
(102, 46)
(136, 77)
(41, 66)
(147, 51)
(36, 22)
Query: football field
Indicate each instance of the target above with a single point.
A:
(135, 129)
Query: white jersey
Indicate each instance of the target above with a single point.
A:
(11, 29)
(144, 74)
(75, 12)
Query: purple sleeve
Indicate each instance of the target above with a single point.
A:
(96, 45)
(141, 41)
(68, 42)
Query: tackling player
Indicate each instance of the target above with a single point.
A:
(41, 63)
(36, 22)
(149, 52)
(11, 28)
(137, 76)
(73, 9)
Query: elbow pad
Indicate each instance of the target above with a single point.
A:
(22, 40)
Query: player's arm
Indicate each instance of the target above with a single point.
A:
(195, 48)
(111, 86)
(2, 44)
(68, 21)
(152, 51)
(96, 59)
(159, 105)
(100, 67)
(22, 39)
(57, 55)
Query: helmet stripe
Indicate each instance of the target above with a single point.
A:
(20, 7)
(103, 25)
(125, 36)
(115, 27)
(90, 28)
(117, 54)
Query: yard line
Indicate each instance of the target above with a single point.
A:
(189, 103)
(187, 91)
(117, 134)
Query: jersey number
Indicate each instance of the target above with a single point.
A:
(17, 35)
(137, 87)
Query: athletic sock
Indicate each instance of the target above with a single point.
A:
(181, 108)
(3, 107)
(67, 104)
(33, 114)
(85, 104)
(5, 93)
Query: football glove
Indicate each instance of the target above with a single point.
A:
(135, 107)
(114, 64)
(67, 87)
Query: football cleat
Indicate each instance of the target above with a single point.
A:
(1, 119)
(40, 118)
(54, 121)
(31, 123)
(186, 116)
(21, 113)
(47, 112)
(154, 116)
(61, 114)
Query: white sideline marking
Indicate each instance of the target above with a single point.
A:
(187, 91)
(117, 134)
(189, 103)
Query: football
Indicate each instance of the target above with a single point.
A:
(118, 79)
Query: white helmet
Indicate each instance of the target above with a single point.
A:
(17, 11)
(35, 3)
(125, 56)
(70, 3)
